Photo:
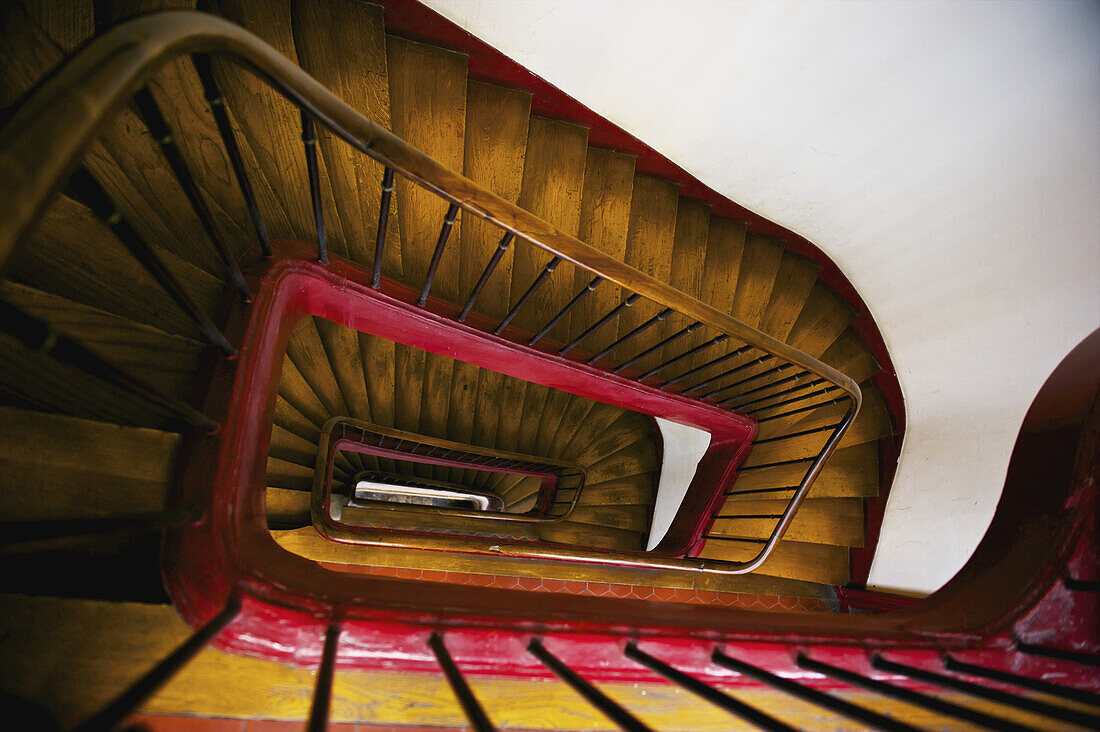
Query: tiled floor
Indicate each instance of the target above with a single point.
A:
(599, 589)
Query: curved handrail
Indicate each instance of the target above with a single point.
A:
(43, 142)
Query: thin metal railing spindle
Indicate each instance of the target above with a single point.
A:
(657, 346)
(713, 362)
(592, 285)
(87, 189)
(631, 335)
(925, 701)
(762, 375)
(322, 689)
(811, 695)
(610, 708)
(309, 140)
(1087, 659)
(764, 387)
(37, 335)
(599, 324)
(744, 406)
(1066, 692)
(498, 254)
(542, 277)
(810, 408)
(216, 101)
(682, 356)
(465, 695)
(437, 255)
(1018, 701)
(802, 433)
(736, 370)
(706, 691)
(157, 125)
(156, 677)
(383, 224)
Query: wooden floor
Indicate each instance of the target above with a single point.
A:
(57, 424)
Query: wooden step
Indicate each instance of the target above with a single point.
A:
(286, 507)
(497, 120)
(837, 521)
(851, 356)
(57, 467)
(553, 180)
(307, 352)
(850, 472)
(798, 560)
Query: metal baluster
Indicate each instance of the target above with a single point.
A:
(592, 285)
(543, 276)
(707, 382)
(158, 127)
(611, 709)
(754, 377)
(636, 332)
(322, 690)
(706, 691)
(803, 433)
(437, 255)
(1004, 677)
(505, 242)
(925, 701)
(764, 387)
(229, 141)
(474, 711)
(22, 537)
(599, 323)
(984, 692)
(714, 361)
(813, 696)
(776, 464)
(383, 223)
(87, 189)
(1088, 659)
(791, 390)
(148, 684)
(675, 336)
(309, 138)
(37, 335)
(685, 354)
(819, 392)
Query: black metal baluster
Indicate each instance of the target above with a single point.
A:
(611, 709)
(765, 387)
(636, 332)
(599, 324)
(813, 696)
(803, 433)
(706, 691)
(474, 711)
(707, 382)
(925, 701)
(23, 537)
(714, 361)
(229, 141)
(1079, 585)
(682, 356)
(505, 242)
(1088, 659)
(754, 377)
(383, 223)
(790, 390)
(802, 398)
(158, 127)
(156, 677)
(543, 276)
(37, 335)
(87, 189)
(984, 692)
(800, 410)
(309, 139)
(1004, 677)
(322, 690)
(437, 255)
(592, 285)
(664, 342)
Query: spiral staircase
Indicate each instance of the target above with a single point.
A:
(81, 451)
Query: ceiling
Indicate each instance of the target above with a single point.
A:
(945, 155)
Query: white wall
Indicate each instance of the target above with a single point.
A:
(945, 155)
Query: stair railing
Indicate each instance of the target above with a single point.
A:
(43, 143)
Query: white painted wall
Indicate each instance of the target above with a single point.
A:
(945, 155)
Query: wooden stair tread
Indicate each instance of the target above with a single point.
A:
(850, 472)
(837, 521)
(822, 563)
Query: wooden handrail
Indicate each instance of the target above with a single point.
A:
(44, 141)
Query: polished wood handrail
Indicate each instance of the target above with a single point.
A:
(45, 139)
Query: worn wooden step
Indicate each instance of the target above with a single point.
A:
(850, 472)
(287, 507)
(851, 356)
(837, 521)
(630, 518)
(306, 350)
(58, 467)
(822, 563)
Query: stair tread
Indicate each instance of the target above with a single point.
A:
(822, 563)
(837, 521)
(850, 471)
